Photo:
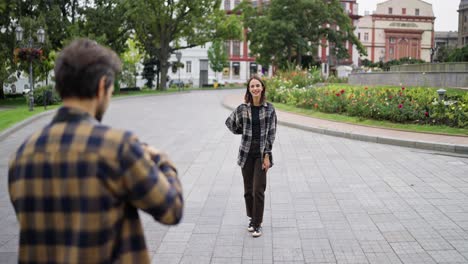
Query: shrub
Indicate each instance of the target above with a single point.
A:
(39, 95)
(397, 104)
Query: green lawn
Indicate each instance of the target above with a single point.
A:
(14, 110)
(374, 123)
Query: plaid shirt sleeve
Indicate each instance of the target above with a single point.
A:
(271, 134)
(151, 182)
(234, 121)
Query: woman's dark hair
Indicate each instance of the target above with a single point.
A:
(248, 96)
(81, 65)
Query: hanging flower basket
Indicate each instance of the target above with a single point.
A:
(28, 54)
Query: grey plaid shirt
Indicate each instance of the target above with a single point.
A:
(240, 122)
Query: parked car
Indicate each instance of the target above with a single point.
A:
(17, 86)
(176, 83)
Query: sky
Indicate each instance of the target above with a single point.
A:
(445, 12)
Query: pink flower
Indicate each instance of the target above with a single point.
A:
(342, 91)
(426, 113)
(403, 88)
(337, 94)
(400, 106)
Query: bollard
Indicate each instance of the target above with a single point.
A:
(441, 93)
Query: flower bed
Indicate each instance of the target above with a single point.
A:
(397, 104)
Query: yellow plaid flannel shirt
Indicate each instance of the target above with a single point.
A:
(76, 186)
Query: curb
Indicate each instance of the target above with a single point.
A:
(459, 149)
(7, 132)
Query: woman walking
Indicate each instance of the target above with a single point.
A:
(255, 120)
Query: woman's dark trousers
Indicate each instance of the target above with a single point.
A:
(254, 185)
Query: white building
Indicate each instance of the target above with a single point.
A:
(241, 65)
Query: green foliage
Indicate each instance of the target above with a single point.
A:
(150, 66)
(105, 22)
(217, 56)
(458, 55)
(39, 93)
(164, 26)
(386, 65)
(443, 53)
(130, 59)
(63, 21)
(396, 104)
(290, 29)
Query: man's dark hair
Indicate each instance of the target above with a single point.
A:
(81, 65)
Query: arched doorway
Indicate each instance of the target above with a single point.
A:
(403, 48)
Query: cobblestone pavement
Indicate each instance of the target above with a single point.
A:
(328, 200)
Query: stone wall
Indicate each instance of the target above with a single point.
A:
(432, 67)
(427, 79)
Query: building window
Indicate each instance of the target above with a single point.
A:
(359, 35)
(227, 47)
(188, 66)
(254, 3)
(236, 3)
(366, 36)
(390, 51)
(392, 40)
(466, 18)
(343, 5)
(227, 5)
(390, 10)
(236, 69)
(416, 12)
(403, 11)
(236, 48)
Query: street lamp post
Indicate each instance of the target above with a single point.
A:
(178, 56)
(433, 52)
(30, 46)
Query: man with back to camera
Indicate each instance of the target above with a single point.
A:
(76, 184)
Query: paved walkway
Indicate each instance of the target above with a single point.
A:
(456, 144)
(328, 200)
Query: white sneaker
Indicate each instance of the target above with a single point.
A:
(250, 228)
(257, 231)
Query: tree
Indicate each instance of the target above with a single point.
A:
(150, 69)
(165, 26)
(130, 58)
(443, 53)
(289, 29)
(218, 57)
(458, 55)
(7, 66)
(105, 22)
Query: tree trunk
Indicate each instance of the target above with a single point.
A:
(73, 11)
(164, 70)
(2, 95)
(299, 59)
(158, 73)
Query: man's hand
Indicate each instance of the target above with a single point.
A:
(159, 157)
(266, 163)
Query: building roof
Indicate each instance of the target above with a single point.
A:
(446, 34)
(426, 8)
(463, 4)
